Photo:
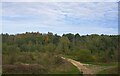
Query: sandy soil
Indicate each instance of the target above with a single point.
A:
(80, 66)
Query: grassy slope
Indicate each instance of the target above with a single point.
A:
(42, 63)
(113, 70)
(65, 69)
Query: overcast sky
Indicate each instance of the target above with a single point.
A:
(62, 17)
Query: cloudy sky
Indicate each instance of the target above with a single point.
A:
(60, 17)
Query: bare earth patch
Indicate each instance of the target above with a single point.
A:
(80, 66)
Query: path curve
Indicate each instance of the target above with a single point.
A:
(79, 65)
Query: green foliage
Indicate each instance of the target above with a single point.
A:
(24, 69)
(96, 48)
(37, 63)
(40, 48)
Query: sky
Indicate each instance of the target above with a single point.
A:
(59, 0)
(60, 17)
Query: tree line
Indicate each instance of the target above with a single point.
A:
(85, 48)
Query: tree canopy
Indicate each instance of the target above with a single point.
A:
(83, 48)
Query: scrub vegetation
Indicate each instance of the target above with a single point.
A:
(34, 52)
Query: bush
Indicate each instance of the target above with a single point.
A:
(24, 69)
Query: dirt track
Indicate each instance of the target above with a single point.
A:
(79, 65)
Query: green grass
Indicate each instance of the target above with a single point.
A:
(103, 68)
(113, 70)
(71, 69)
(99, 67)
(103, 64)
